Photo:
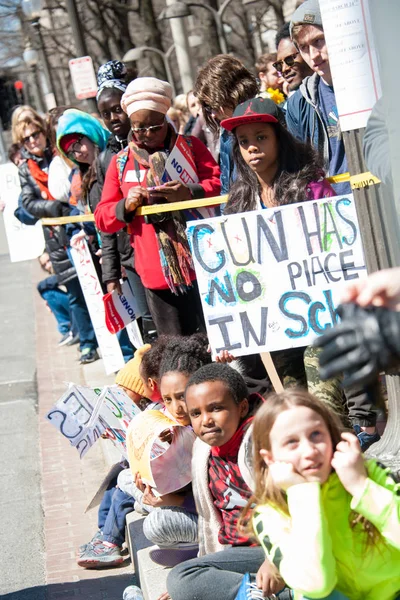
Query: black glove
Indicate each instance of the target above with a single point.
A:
(366, 342)
(55, 208)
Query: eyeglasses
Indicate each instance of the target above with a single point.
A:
(289, 62)
(35, 135)
(76, 147)
(145, 130)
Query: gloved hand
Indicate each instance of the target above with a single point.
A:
(55, 208)
(366, 342)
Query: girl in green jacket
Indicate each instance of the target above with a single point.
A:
(327, 518)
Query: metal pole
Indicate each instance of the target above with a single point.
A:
(37, 90)
(79, 40)
(180, 37)
(218, 23)
(165, 56)
(46, 66)
(3, 153)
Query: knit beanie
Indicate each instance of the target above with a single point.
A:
(147, 93)
(129, 375)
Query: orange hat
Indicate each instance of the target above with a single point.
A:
(129, 375)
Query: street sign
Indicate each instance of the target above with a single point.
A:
(83, 77)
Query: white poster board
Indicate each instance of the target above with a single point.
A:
(108, 343)
(25, 242)
(352, 59)
(271, 279)
(83, 77)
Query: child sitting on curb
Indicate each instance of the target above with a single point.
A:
(172, 520)
(328, 519)
(221, 410)
(104, 549)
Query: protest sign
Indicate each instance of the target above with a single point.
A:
(25, 242)
(271, 279)
(353, 62)
(108, 343)
(119, 309)
(83, 415)
(164, 466)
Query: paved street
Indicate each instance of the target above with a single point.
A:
(44, 487)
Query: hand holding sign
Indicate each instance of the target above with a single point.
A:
(135, 198)
(172, 191)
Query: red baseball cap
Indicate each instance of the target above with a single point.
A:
(255, 110)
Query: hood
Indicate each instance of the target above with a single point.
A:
(77, 121)
(309, 89)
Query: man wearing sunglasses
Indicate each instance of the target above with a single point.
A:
(289, 61)
(311, 113)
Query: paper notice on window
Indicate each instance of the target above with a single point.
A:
(352, 59)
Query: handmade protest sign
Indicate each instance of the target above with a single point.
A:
(119, 308)
(271, 279)
(164, 466)
(83, 415)
(110, 349)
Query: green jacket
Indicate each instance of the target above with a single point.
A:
(317, 551)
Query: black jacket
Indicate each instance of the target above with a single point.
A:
(55, 237)
(116, 247)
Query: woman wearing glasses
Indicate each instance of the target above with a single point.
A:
(136, 176)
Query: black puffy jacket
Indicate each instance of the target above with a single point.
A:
(55, 237)
(116, 247)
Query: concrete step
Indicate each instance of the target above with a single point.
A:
(152, 578)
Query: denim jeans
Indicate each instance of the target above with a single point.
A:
(105, 504)
(58, 302)
(114, 527)
(217, 575)
(126, 347)
(335, 595)
(80, 315)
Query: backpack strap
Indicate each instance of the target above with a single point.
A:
(122, 159)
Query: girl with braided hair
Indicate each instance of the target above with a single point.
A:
(171, 523)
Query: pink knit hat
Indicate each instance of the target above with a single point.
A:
(147, 93)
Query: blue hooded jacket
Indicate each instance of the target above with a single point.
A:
(305, 121)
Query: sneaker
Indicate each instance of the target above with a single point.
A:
(132, 592)
(174, 555)
(65, 339)
(88, 355)
(96, 539)
(249, 591)
(366, 439)
(98, 556)
(74, 340)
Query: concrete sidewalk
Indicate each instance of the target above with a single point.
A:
(68, 483)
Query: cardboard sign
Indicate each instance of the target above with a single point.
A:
(353, 61)
(119, 308)
(83, 77)
(83, 415)
(180, 166)
(25, 242)
(110, 349)
(165, 467)
(271, 279)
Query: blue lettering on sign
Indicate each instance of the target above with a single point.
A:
(177, 166)
(311, 320)
(128, 307)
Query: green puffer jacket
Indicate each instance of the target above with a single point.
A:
(317, 551)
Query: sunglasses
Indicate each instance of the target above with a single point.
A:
(289, 62)
(34, 136)
(145, 130)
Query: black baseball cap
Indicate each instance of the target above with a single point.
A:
(255, 110)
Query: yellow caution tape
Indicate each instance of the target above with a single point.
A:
(363, 180)
(356, 181)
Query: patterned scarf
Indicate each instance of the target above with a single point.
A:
(41, 179)
(176, 260)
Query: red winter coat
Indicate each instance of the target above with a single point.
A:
(110, 213)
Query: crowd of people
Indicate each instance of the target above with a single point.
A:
(282, 503)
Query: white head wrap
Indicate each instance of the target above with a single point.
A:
(147, 93)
